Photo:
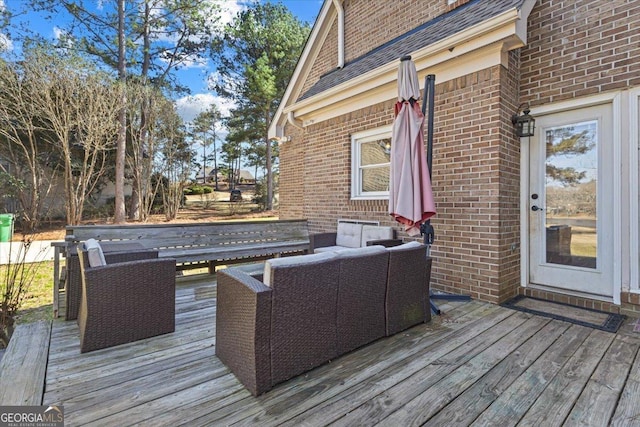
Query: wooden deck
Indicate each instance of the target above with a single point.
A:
(479, 364)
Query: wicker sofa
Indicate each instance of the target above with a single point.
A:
(310, 309)
(122, 302)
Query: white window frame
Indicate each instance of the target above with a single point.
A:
(357, 139)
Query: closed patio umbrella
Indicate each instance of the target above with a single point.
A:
(410, 194)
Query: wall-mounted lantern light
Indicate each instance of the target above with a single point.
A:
(525, 124)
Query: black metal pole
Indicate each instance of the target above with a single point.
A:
(426, 229)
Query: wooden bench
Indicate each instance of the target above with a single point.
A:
(24, 365)
(194, 245)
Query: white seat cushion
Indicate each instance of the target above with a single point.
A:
(349, 235)
(94, 253)
(292, 261)
(375, 232)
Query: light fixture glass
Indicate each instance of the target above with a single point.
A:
(525, 124)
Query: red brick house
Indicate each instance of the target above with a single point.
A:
(553, 215)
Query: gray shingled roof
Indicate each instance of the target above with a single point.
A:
(459, 19)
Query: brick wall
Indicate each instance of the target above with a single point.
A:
(291, 182)
(323, 155)
(580, 47)
(475, 180)
(327, 59)
(476, 183)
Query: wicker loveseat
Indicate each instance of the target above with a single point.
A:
(310, 309)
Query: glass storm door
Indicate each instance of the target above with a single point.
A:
(571, 201)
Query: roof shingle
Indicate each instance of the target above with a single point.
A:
(439, 28)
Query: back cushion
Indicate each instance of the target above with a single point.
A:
(292, 261)
(349, 235)
(408, 245)
(367, 250)
(94, 253)
(374, 232)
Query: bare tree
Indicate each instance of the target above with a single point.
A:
(32, 166)
(152, 158)
(79, 108)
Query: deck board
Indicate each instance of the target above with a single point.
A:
(479, 364)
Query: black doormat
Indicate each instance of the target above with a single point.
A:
(569, 313)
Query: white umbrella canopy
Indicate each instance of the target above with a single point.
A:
(410, 195)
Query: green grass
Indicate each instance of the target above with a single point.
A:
(38, 301)
(583, 242)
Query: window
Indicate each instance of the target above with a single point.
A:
(371, 156)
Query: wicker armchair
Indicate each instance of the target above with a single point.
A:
(125, 302)
(114, 253)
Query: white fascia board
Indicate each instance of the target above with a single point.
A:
(476, 48)
(316, 39)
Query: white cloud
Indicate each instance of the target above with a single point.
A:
(63, 35)
(58, 32)
(189, 107)
(229, 9)
(5, 43)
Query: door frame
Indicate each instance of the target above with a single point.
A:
(634, 191)
(613, 98)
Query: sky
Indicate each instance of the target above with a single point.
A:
(194, 77)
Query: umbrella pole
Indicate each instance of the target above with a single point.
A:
(426, 228)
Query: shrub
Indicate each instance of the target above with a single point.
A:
(196, 190)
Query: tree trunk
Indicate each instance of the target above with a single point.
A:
(138, 187)
(269, 204)
(119, 216)
(215, 159)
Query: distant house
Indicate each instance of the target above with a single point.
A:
(245, 177)
(554, 215)
(208, 175)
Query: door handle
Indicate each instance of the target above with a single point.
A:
(536, 208)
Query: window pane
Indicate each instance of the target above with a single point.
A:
(571, 184)
(375, 179)
(375, 152)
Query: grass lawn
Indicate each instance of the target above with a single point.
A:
(37, 303)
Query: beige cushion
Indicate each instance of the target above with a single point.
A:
(367, 250)
(323, 249)
(349, 235)
(94, 253)
(292, 261)
(375, 232)
(408, 245)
